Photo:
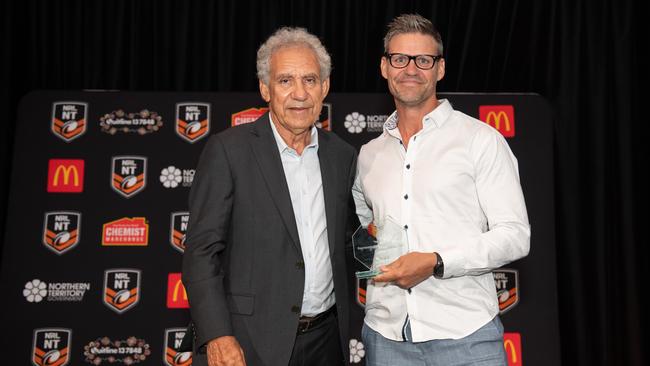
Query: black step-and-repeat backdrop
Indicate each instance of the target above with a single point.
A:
(98, 213)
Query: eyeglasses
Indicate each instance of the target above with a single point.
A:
(423, 62)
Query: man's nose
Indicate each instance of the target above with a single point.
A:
(299, 91)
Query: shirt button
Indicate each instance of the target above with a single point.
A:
(408, 166)
(406, 226)
(406, 196)
(295, 309)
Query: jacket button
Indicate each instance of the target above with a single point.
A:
(295, 309)
(300, 264)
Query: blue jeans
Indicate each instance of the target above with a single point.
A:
(481, 348)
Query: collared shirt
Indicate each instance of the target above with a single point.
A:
(306, 190)
(456, 192)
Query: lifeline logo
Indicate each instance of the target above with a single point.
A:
(69, 119)
(126, 232)
(128, 352)
(247, 116)
(173, 340)
(192, 121)
(176, 294)
(142, 122)
(37, 291)
(501, 117)
(51, 347)
(507, 286)
(61, 230)
(65, 176)
(121, 289)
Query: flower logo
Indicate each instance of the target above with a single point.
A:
(170, 177)
(357, 351)
(355, 122)
(35, 290)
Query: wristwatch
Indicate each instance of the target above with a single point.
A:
(439, 268)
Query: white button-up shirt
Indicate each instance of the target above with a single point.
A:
(457, 190)
(306, 190)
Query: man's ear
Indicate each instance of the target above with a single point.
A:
(441, 69)
(265, 92)
(326, 87)
(383, 66)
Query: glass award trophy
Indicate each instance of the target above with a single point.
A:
(375, 250)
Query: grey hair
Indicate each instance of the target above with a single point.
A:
(412, 23)
(291, 37)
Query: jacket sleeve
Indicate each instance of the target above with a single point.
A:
(210, 205)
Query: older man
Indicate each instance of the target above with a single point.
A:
(451, 183)
(264, 266)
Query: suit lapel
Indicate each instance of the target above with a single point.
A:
(268, 159)
(329, 178)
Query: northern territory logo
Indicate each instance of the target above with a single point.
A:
(507, 285)
(178, 230)
(172, 355)
(69, 119)
(192, 121)
(61, 230)
(51, 347)
(121, 289)
(129, 175)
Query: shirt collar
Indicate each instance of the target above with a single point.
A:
(437, 117)
(282, 146)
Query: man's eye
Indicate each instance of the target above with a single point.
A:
(310, 80)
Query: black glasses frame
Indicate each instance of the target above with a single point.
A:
(389, 56)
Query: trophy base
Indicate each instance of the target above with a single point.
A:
(367, 274)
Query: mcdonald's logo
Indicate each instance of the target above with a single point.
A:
(512, 345)
(501, 117)
(65, 175)
(176, 294)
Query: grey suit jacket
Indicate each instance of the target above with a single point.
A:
(243, 267)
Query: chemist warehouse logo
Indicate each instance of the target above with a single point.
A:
(507, 286)
(51, 347)
(69, 119)
(192, 121)
(121, 289)
(129, 175)
(501, 117)
(173, 340)
(61, 230)
(126, 232)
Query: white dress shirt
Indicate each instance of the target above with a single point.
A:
(306, 190)
(456, 191)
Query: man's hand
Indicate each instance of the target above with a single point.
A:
(225, 351)
(408, 270)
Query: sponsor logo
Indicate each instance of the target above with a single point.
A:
(247, 116)
(356, 122)
(501, 117)
(37, 291)
(325, 118)
(172, 177)
(121, 289)
(129, 175)
(176, 294)
(51, 347)
(142, 122)
(362, 284)
(192, 121)
(126, 232)
(512, 344)
(172, 356)
(178, 230)
(357, 351)
(69, 119)
(61, 231)
(65, 175)
(106, 351)
(507, 285)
